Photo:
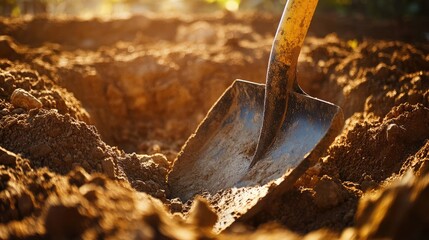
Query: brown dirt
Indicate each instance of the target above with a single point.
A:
(113, 87)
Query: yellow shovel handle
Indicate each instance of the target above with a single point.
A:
(281, 74)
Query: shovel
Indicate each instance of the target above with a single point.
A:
(257, 140)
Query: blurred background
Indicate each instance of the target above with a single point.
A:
(397, 9)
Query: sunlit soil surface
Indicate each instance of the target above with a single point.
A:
(105, 106)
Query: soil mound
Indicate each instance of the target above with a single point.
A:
(92, 112)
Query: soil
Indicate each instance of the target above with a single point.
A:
(93, 113)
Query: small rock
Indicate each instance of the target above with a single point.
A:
(23, 99)
(328, 193)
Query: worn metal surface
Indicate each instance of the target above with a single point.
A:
(218, 156)
(241, 166)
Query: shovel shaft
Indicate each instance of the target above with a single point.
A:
(281, 74)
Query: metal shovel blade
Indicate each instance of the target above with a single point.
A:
(217, 158)
(257, 140)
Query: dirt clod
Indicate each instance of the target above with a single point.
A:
(328, 192)
(201, 214)
(388, 213)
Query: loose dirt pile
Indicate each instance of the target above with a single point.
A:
(77, 97)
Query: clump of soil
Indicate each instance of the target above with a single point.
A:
(57, 138)
(388, 144)
(37, 203)
(92, 112)
(379, 139)
(396, 212)
(19, 75)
